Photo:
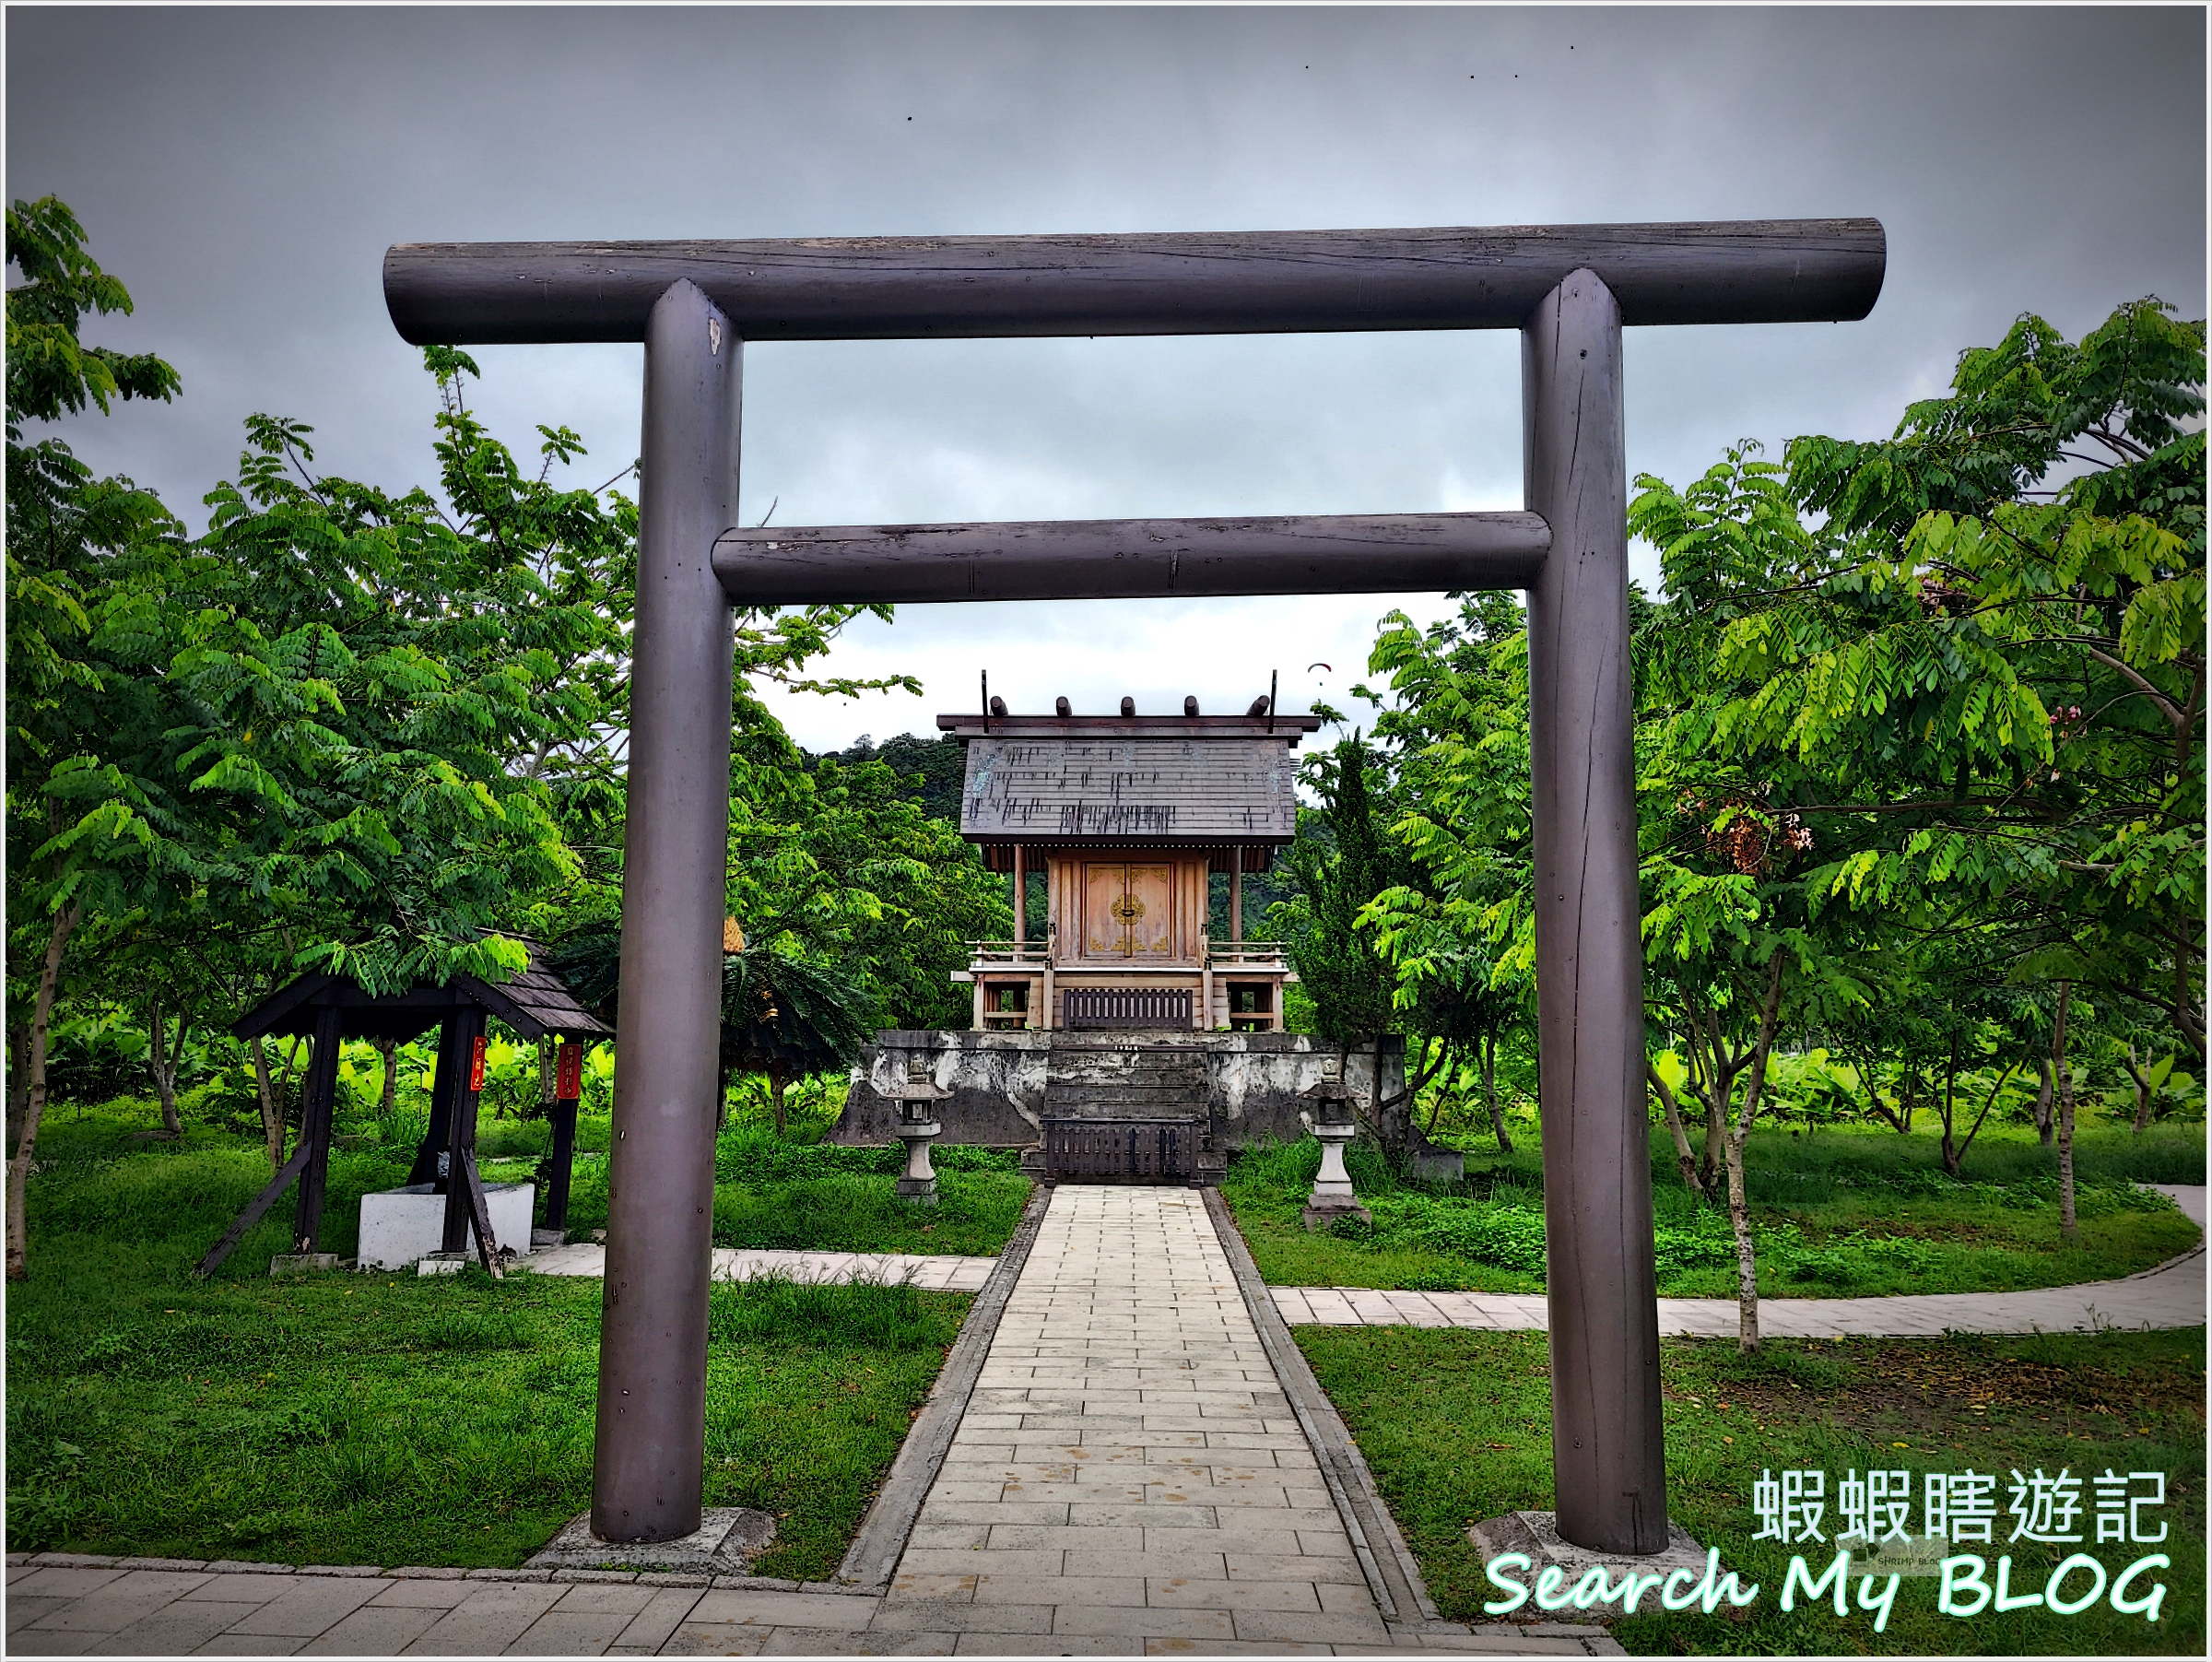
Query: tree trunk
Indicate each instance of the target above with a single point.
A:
(2045, 1101)
(34, 1101)
(1950, 1106)
(1490, 1090)
(1685, 1156)
(272, 1110)
(2145, 1096)
(18, 1078)
(1904, 1101)
(389, 1049)
(1712, 1086)
(778, 1076)
(2069, 1227)
(163, 1061)
(1739, 1203)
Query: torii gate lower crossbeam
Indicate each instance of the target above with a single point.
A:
(1568, 289)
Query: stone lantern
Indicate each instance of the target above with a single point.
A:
(917, 1096)
(1332, 1121)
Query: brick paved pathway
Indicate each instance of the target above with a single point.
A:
(2172, 1295)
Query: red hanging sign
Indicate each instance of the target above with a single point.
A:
(568, 1075)
(476, 1063)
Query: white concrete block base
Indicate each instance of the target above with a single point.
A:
(399, 1226)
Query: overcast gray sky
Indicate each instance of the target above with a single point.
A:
(243, 169)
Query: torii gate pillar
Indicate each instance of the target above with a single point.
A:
(1608, 1466)
(649, 1455)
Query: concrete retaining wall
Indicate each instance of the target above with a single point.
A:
(996, 1081)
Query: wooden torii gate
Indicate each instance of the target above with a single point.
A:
(1568, 289)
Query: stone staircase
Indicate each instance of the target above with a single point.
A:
(1126, 1082)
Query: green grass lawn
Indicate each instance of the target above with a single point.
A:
(386, 1419)
(769, 1192)
(1838, 1213)
(1457, 1427)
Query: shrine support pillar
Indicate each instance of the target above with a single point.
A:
(1607, 1464)
(651, 1443)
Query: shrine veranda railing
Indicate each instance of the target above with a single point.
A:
(1569, 290)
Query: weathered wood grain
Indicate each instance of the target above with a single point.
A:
(1608, 1470)
(1127, 560)
(1167, 283)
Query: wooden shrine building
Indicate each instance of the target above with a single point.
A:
(328, 1010)
(1129, 816)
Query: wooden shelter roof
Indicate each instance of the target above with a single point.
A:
(533, 1004)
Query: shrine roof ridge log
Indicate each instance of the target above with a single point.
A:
(1283, 726)
(1751, 271)
(1124, 559)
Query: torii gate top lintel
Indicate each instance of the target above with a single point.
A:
(1753, 271)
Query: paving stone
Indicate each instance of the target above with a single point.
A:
(1049, 1644)
(1295, 1567)
(239, 1587)
(181, 1563)
(984, 1561)
(420, 1595)
(22, 1612)
(1207, 1627)
(1313, 1627)
(78, 1560)
(715, 1639)
(994, 1513)
(772, 1610)
(374, 1630)
(837, 1642)
(433, 1573)
(247, 1567)
(1172, 1592)
(252, 1644)
(308, 1605)
(623, 1601)
(1060, 1589)
(47, 1642)
(118, 1604)
(1197, 1564)
(664, 1612)
(568, 1633)
(939, 1616)
(1160, 1515)
(493, 1617)
(52, 1583)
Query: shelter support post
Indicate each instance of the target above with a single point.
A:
(315, 1111)
(1607, 1464)
(1236, 892)
(567, 1088)
(444, 1071)
(457, 1048)
(650, 1444)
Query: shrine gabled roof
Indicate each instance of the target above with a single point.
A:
(1104, 787)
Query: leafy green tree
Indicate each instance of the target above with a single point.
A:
(1457, 721)
(90, 818)
(1978, 689)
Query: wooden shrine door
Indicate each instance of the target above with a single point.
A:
(1128, 910)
